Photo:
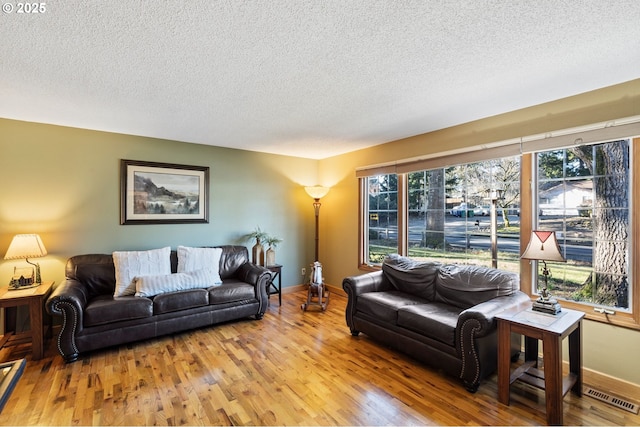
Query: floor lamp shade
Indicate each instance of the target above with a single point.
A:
(317, 191)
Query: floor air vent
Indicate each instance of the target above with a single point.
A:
(612, 400)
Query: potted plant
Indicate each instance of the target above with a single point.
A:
(257, 252)
(272, 241)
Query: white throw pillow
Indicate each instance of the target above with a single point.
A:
(148, 286)
(193, 259)
(130, 264)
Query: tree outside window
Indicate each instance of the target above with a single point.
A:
(447, 213)
(583, 195)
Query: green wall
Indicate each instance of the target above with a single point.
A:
(64, 184)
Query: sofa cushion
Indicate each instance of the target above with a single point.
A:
(107, 309)
(100, 278)
(434, 320)
(384, 305)
(192, 259)
(148, 286)
(129, 264)
(411, 276)
(182, 300)
(467, 285)
(231, 291)
(233, 257)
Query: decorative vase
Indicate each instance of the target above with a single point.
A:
(258, 253)
(271, 256)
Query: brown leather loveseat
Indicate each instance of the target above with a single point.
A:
(93, 318)
(440, 314)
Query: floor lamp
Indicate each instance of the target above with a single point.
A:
(317, 192)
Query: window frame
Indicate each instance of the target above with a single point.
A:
(628, 319)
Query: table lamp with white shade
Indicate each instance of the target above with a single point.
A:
(25, 246)
(543, 246)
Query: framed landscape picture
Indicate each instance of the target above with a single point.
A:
(163, 193)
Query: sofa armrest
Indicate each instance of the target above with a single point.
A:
(368, 282)
(259, 277)
(358, 285)
(478, 322)
(484, 314)
(68, 301)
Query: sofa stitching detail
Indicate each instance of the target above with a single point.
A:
(473, 349)
(350, 304)
(262, 303)
(64, 325)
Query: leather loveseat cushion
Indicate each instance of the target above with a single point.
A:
(183, 300)
(100, 278)
(467, 285)
(385, 305)
(233, 257)
(231, 291)
(107, 309)
(411, 276)
(434, 320)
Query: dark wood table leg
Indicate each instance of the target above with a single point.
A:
(552, 355)
(575, 358)
(37, 335)
(504, 362)
(531, 350)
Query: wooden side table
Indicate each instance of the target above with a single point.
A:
(35, 299)
(551, 329)
(276, 270)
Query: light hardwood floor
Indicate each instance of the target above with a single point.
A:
(290, 368)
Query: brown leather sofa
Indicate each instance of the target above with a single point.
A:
(440, 314)
(93, 318)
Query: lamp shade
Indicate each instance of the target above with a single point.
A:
(26, 246)
(543, 246)
(317, 191)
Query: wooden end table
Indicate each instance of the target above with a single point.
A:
(272, 288)
(35, 299)
(551, 330)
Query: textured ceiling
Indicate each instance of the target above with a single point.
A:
(305, 78)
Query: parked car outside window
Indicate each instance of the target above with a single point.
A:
(481, 211)
(463, 210)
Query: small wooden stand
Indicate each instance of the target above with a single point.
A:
(317, 295)
(552, 330)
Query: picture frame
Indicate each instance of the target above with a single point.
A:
(10, 373)
(163, 193)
